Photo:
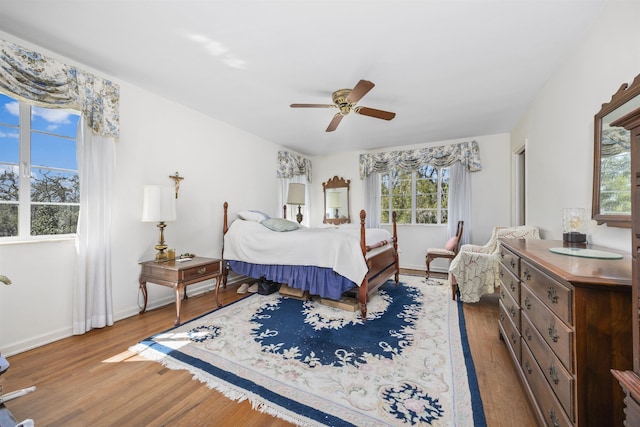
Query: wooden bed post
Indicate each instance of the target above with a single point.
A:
(395, 246)
(284, 211)
(225, 228)
(363, 292)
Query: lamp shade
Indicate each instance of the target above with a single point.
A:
(159, 204)
(295, 195)
(335, 200)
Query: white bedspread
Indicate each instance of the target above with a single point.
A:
(335, 248)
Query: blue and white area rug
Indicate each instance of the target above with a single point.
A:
(313, 365)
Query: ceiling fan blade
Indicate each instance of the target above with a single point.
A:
(372, 112)
(312, 105)
(359, 91)
(335, 122)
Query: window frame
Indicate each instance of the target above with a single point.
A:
(389, 209)
(24, 202)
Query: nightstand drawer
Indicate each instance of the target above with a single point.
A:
(200, 271)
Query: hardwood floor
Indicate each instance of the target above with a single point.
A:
(93, 380)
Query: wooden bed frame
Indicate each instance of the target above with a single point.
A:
(382, 265)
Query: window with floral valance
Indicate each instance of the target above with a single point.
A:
(290, 165)
(467, 153)
(48, 83)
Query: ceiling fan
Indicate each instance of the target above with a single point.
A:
(345, 100)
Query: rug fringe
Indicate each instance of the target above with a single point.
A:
(227, 390)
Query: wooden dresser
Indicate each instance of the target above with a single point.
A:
(567, 322)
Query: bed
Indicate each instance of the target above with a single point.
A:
(324, 261)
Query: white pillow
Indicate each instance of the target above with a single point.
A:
(253, 215)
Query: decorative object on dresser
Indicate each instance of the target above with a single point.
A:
(336, 197)
(178, 274)
(295, 196)
(313, 365)
(474, 271)
(573, 226)
(566, 322)
(630, 379)
(449, 251)
(159, 205)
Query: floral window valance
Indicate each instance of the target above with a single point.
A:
(290, 165)
(48, 83)
(466, 153)
(615, 141)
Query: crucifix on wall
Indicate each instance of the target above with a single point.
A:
(176, 178)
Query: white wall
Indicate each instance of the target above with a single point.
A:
(157, 138)
(559, 123)
(490, 202)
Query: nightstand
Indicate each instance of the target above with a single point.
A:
(178, 275)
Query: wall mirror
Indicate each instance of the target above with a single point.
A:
(611, 202)
(336, 201)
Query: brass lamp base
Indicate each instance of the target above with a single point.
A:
(161, 247)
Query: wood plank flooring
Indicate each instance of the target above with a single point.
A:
(93, 380)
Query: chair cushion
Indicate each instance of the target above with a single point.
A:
(451, 244)
(439, 251)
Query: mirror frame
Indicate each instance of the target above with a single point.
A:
(334, 183)
(624, 94)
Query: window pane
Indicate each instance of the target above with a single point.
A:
(9, 110)
(54, 186)
(49, 219)
(9, 145)
(53, 151)
(55, 121)
(426, 216)
(9, 183)
(8, 220)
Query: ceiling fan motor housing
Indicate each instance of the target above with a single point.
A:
(339, 98)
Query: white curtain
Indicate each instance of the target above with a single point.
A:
(371, 190)
(459, 200)
(92, 300)
(292, 210)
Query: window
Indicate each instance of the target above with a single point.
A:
(418, 197)
(39, 182)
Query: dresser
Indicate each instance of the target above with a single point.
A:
(566, 322)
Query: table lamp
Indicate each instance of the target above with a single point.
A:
(159, 205)
(295, 196)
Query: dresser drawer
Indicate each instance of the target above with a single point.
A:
(561, 381)
(510, 260)
(554, 332)
(509, 282)
(546, 400)
(511, 333)
(553, 293)
(511, 307)
(199, 271)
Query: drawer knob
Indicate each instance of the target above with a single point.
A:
(512, 311)
(512, 286)
(501, 317)
(513, 338)
(501, 294)
(553, 418)
(526, 275)
(512, 263)
(202, 270)
(527, 333)
(527, 303)
(552, 295)
(528, 367)
(553, 333)
(501, 274)
(553, 373)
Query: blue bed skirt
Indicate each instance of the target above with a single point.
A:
(317, 280)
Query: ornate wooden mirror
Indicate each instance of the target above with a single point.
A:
(611, 202)
(336, 201)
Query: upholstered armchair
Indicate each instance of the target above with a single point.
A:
(475, 270)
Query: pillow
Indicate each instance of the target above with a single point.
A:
(280, 224)
(451, 244)
(252, 215)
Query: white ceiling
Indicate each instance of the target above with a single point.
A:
(449, 69)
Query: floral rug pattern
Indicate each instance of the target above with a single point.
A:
(316, 365)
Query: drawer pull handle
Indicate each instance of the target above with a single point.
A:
(553, 373)
(512, 311)
(501, 274)
(526, 275)
(552, 295)
(553, 333)
(527, 333)
(501, 317)
(512, 286)
(527, 367)
(513, 338)
(527, 303)
(501, 294)
(512, 263)
(202, 270)
(553, 418)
